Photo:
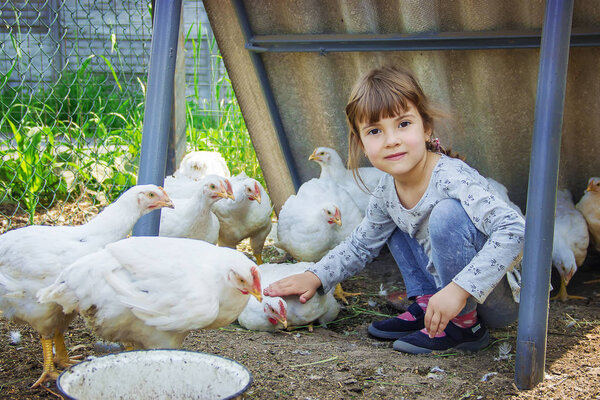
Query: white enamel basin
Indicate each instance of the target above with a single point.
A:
(155, 374)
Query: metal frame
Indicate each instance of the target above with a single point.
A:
(541, 194)
(159, 102)
(326, 43)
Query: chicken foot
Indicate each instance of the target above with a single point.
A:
(340, 294)
(62, 358)
(50, 371)
(562, 294)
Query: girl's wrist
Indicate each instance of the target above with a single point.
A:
(459, 291)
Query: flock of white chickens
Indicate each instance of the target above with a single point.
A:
(150, 292)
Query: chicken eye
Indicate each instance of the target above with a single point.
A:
(213, 186)
(150, 195)
(242, 281)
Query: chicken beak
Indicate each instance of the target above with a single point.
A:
(257, 295)
(283, 322)
(166, 201)
(313, 156)
(589, 186)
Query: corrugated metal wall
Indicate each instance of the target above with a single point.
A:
(489, 93)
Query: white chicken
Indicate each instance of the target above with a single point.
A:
(571, 240)
(246, 216)
(315, 220)
(589, 206)
(192, 218)
(332, 167)
(195, 166)
(275, 312)
(150, 292)
(33, 256)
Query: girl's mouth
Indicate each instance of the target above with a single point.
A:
(395, 156)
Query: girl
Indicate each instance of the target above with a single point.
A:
(456, 243)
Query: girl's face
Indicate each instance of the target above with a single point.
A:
(396, 145)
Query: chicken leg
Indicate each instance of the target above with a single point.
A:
(562, 294)
(340, 294)
(62, 358)
(50, 371)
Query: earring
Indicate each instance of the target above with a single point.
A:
(436, 144)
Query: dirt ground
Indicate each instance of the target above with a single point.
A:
(342, 362)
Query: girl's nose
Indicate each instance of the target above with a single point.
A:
(392, 138)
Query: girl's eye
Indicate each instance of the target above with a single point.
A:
(373, 131)
(404, 124)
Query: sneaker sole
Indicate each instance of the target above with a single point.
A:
(465, 346)
(379, 334)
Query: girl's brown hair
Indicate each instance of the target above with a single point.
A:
(383, 93)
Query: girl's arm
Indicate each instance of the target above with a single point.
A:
(503, 226)
(346, 259)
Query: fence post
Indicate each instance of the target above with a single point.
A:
(159, 101)
(541, 194)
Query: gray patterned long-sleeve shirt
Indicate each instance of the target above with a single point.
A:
(451, 178)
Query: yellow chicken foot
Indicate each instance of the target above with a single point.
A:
(562, 294)
(61, 357)
(50, 371)
(259, 259)
(339, 293)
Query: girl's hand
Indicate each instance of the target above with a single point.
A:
(305, 285)
(443, 306)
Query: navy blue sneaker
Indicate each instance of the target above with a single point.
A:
(395, 328)
(472, 339)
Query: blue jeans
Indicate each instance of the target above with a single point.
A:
(454, 242)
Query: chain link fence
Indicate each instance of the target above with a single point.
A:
(72, 84)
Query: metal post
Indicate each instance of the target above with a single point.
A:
(541, 194)
(159, 101)
(259, 67)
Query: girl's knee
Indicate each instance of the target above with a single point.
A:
(447, 215)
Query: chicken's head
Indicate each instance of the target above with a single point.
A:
(149, 197)
(247, 281)
(276, 310)
(252, 191)
(333, 215)
(593, 185)
(321, 155)
(216, 188)
(564, 262)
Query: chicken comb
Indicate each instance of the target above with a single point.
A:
(255, 278)
(282, 311)
(228, 185)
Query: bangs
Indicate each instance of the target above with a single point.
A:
(380, 99)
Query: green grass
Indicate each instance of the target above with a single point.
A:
(56, 140)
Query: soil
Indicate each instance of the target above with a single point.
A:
(341, 361)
